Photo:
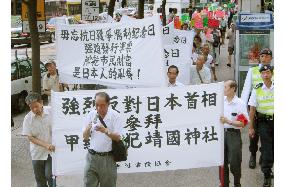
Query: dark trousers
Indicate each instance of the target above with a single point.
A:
(253, 142)
(266, 133)
(43, 172)
(232, 156)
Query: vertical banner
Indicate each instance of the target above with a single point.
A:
(168, 33)
(166, 125)
(111, 54)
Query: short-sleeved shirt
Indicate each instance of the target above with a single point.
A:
(40, 128)
(252, 99)
(233, 109)
(204, 73)
(209, 62)
(99, 141)
(175, 84)
(51, 83)
(231, 36)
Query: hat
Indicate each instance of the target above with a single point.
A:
(266, 67)
(49, 62)
(266, 51)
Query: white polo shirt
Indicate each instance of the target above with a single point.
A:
(99, 141)
(175, 84)
(204, 73)
(234, 108)
(38, 127)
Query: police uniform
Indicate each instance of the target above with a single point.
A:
(253, 78)
(262, 98)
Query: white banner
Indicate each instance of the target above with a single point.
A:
(112, 54)
(168, 33)
(183, 37)
(180, 56)
(166, 128)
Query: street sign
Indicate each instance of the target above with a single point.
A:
(90, 10)
(40, 16)
(40, 26)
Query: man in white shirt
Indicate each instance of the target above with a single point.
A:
(233, 108)
(199, 73)
(209, 60)
(100, 168)
(51, 80)
(37, 127)
(172, 75)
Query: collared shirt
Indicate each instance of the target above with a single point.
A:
(40, 128)
(99, 141)
(209, 62)
(175, 84)
(51, 83)
(234, 108)
(247, 85)
(204, 73)
(252, 99)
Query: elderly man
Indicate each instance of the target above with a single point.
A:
(209, 60)
(199, 73)
(37, 127)
(172, 75)
(233, 108)
(100, 168)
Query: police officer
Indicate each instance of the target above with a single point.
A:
(262, 105)
(252, 79)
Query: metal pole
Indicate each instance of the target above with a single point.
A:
(53, 181)
(221, 175)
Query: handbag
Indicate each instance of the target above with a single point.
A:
(119, 149)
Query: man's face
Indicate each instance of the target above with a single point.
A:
(101, 105)
(227, 89)
(205, 50)
(265, 59)
(51, 68)
(185, 27)
(266, 75)
(36, 107)
(172, 74)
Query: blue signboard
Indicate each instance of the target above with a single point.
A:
(255, 21)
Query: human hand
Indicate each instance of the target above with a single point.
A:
(101, 128)
(50, 147)
(251, 132)
(223, 119)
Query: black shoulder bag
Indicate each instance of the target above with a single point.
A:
(119, 149)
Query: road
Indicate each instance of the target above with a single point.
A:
(22, 173)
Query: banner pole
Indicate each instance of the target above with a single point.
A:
(221, 175)
(53, 181)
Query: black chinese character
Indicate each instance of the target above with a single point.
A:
(167, 54)
(153, 105)
(88, 48)
(71, 107)
(108, 34)
(113, 103)
(167, 162)
(87, 104)
(191, 101)
(99, 35)
(153, 119)
(138, 165)
(173, 137)
(131, 103)
(86, 73)
(166, 30)
(211, 98)
(118, 34)
(72, 139)
(102, 74)
(132, 122)
(194, 134)
(86, 143)
(175, 53)
(74, 35)
(158, 163)
(133, 137)
(151, 30)
(172, 102)
(147, 164)
(64, 34)
(84, 35)
(212, 135)
(156, 137)
(76, 73)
